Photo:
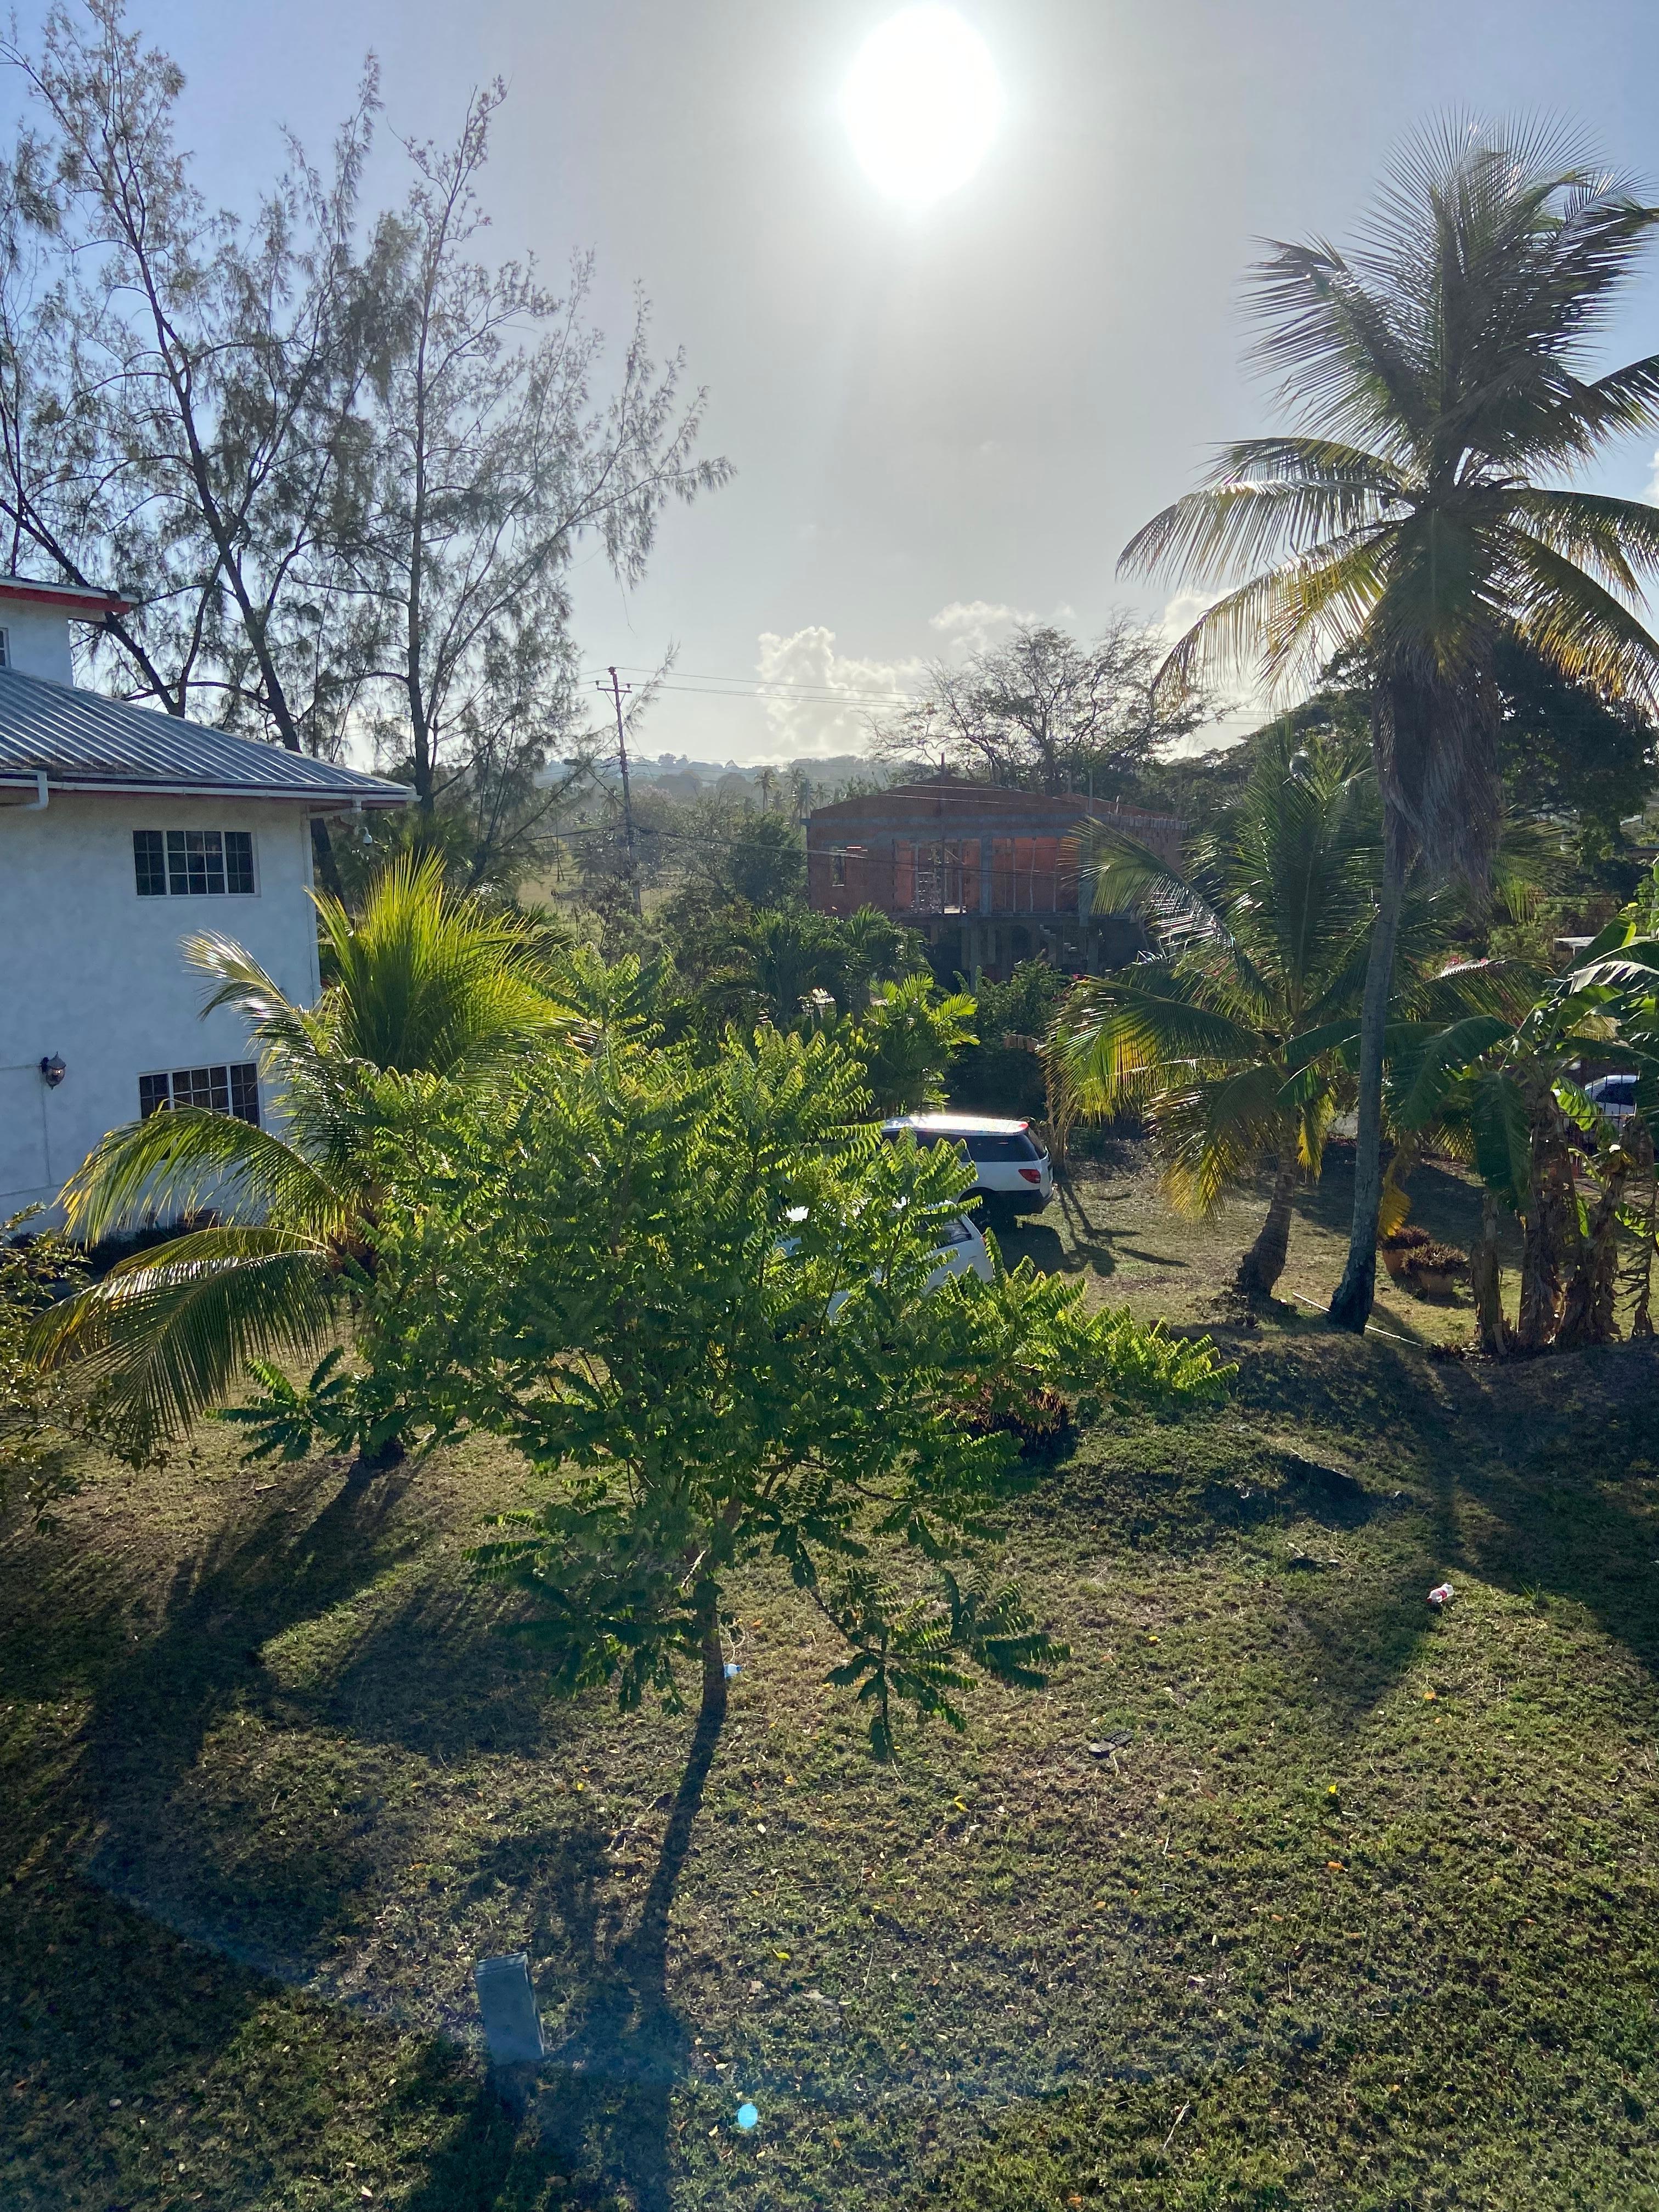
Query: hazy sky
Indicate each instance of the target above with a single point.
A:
(938, 419)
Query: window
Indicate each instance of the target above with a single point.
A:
(992, 1146)
(838, 869)
(149, 863)
(193, 863)
(217, 1090)
(5, 649)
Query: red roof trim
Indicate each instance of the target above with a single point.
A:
(74, 598)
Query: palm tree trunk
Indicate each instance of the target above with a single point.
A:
(1352, 1306)
(1264, 1263)
(1487, 1284)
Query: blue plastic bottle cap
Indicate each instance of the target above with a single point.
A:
(748, 2117)
(732, 1668)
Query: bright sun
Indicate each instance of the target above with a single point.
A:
(921, 104)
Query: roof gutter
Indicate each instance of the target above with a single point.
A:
(324, 802)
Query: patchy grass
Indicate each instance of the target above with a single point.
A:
(272, 1782)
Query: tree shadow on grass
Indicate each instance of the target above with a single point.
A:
(599, 2109)
(1569, 1492)
(152, 1712)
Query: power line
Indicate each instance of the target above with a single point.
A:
(750, 687)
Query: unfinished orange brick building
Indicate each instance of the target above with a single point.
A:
(989, 877)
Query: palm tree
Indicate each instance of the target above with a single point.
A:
(426, 988)
(1433, 375)
(1261, 948)
(1234, 1038)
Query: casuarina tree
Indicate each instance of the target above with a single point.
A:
(1439, 382)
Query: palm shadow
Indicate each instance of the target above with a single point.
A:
(275, 1901)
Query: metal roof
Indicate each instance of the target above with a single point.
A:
(81, 741)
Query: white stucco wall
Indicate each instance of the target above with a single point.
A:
(37, 640)
(93, 973)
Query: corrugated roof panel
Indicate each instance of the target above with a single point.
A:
(83, 739)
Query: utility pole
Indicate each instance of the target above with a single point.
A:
(618, 691)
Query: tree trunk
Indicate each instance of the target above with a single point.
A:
(1586, 1316)
(1487, 1284)
(1264, 1263)
(1352, 1306)
(1641, 1267)
(1550, 1241)
(646, 1947)
(323, 865)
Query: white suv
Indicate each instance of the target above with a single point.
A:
(1010, 1164)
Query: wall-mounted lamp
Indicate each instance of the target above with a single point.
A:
(52, 1070)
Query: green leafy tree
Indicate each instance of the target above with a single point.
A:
(1434, 374)
(426, 992)
(906, 1041)
(696, 1298)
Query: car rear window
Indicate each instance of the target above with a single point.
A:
(954, 1232)
(996, 1151)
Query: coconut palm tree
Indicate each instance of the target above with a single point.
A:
(1261, 944)
(1435, 376)
(426, 988)
(1234, 1038)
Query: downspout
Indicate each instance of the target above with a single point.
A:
(42, 798)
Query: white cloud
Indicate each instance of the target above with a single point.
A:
(1183, 611)
(826, 701)
(971, 625)
(1653, 481)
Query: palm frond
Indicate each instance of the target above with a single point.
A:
(1427, 1058)
(1288, 621)
(1579, 627)
(1258, 508)
(1611, 538)
(185, 1160)
(1213, 1133)
(424, 980)
(168, 1332)
(1120, 1032)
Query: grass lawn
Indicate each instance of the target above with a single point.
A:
(1289, 1891)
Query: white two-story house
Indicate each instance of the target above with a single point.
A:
(124, 831)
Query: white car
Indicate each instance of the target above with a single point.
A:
(1010, 1164)
(1615, 1095)
(961, 1251)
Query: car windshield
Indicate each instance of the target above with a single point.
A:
(955, 1232)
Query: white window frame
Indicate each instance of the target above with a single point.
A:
(173, 1076)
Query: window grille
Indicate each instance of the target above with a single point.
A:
(193, 863)
(232, 1089)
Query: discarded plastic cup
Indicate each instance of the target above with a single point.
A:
(748, 2117)
(1442, 1594)
(732, 1668)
